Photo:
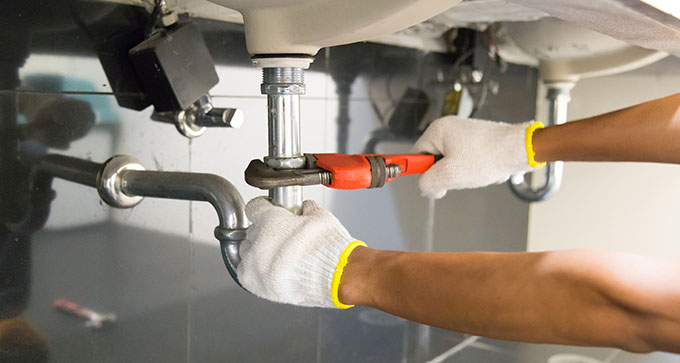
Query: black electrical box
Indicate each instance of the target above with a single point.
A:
(175, 67)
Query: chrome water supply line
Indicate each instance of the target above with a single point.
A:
(283, 83)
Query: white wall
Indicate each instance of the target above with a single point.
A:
(631, 207)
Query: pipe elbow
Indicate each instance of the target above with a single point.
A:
(524, 191)
(230, 208)
(211, 188)
(226, 200)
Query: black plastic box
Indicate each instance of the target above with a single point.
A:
(175, 67)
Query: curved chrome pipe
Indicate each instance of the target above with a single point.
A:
(217, 191)
(558, 96)
(122, 183)
(553, 180)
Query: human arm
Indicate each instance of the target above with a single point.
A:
(592, 298)
(580, 297)
(648, 132)
(479, 153)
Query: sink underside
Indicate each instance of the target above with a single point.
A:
(479, 14)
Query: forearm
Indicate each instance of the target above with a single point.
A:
(531, 297)
(649, 132)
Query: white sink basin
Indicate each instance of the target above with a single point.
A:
(305, 26)
(566, 52)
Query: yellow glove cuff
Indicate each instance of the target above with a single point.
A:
(529, 144)
(337, 275)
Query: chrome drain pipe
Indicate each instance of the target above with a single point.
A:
(283, 83)
(122, 182)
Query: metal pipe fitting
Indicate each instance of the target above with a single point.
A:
(193, 121)
(283, 87)
(553, 180)
(283, 76)
(122, 182)
(109, 180)
(558, 96)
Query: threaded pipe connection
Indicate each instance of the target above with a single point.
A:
(283, 75)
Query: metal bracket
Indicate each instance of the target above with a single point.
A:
(193, 121)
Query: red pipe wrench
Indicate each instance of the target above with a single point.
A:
(341, 171)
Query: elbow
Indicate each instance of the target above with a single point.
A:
(652, 332)
(637, 339)
(637, 349)
(641, 329)
(642, 301)
(625, 301)
(637, 342)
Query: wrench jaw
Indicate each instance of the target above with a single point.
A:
(260, 175)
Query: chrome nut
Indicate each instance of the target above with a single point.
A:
(283, 89)
(286, 163)
(109, 181)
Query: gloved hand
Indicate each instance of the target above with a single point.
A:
(476, 153)
(294, 259)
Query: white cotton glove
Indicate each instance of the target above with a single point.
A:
(293, 259)
(476, 153)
